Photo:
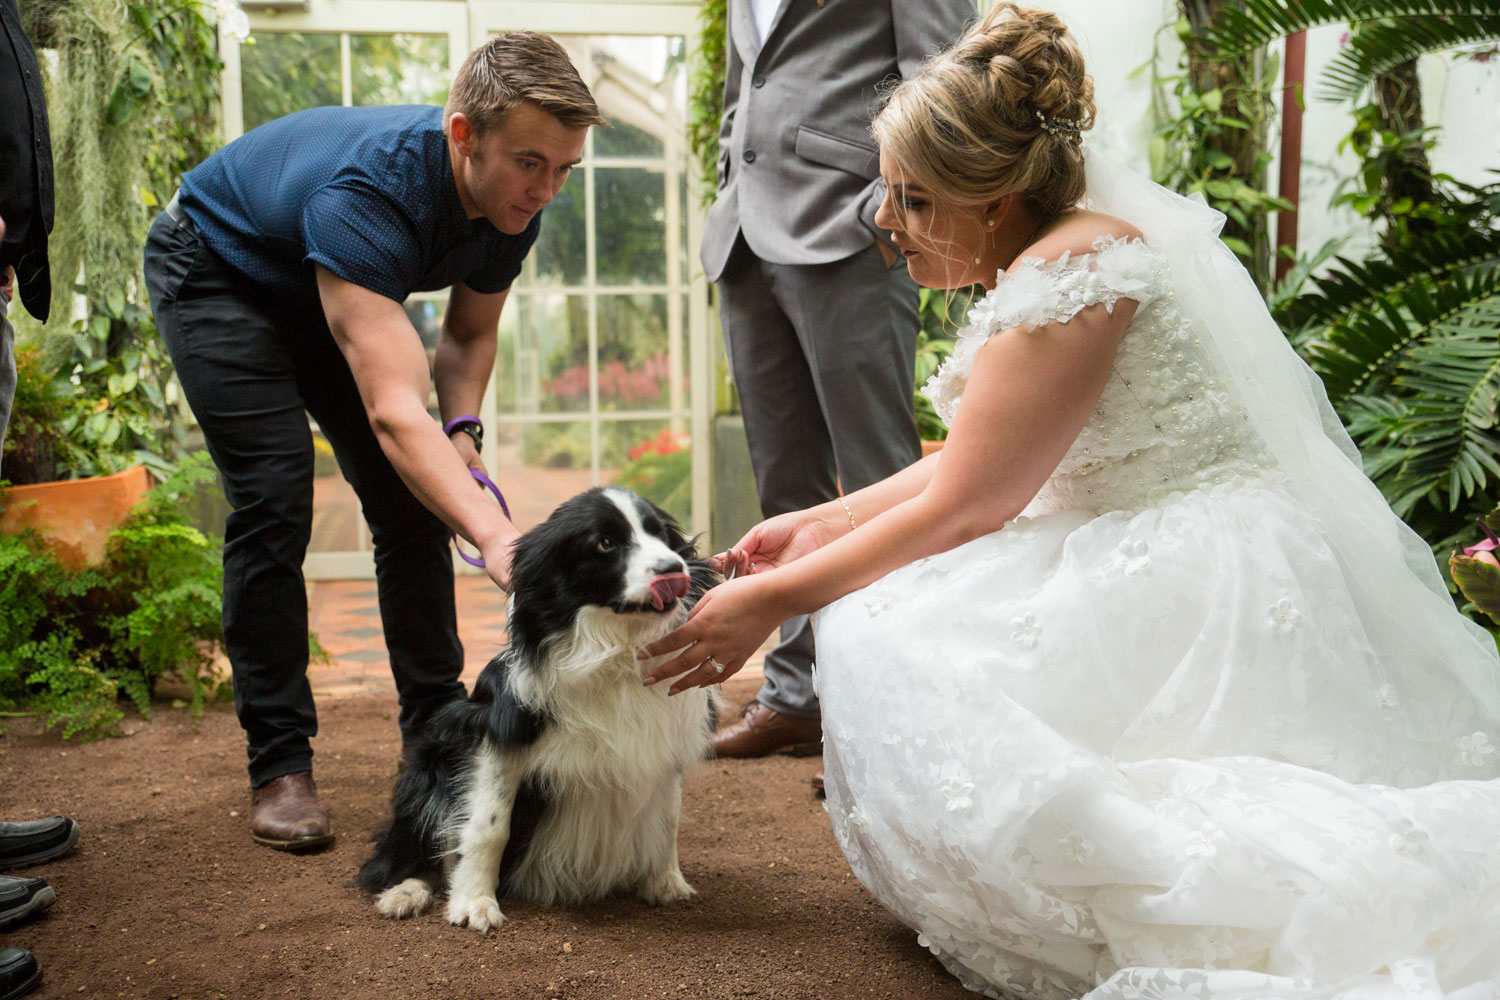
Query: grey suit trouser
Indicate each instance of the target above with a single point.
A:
(822, 357)
(7, 368)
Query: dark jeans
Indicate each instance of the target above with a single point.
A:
(249, 371)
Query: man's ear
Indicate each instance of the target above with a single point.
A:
(461, 130)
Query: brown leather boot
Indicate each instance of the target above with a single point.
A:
(764, 730)
(285, 814)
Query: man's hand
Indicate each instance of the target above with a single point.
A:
(886, 253)
(464, 445)
(497, 555)
(8, 280)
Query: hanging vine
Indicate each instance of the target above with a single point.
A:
(132, 94)
(706, 102)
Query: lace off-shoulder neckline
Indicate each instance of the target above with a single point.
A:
(1041, 292)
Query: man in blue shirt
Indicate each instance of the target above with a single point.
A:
(276, 277)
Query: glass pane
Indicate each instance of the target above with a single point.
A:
(624, 139)
(636, 80)
(286, 71)
(631, 226)
(398, 69)
(426, 317)
(556, 445)
(652, 460)
(560, 255)
(541, 465)
(551, 365)
(633, 361)
(505, 355)
(337, 518)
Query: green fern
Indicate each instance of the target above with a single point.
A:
(1359, 353)
(1388, 32)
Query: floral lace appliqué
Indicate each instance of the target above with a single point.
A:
(1039, 293)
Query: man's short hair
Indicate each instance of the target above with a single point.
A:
(520, 66)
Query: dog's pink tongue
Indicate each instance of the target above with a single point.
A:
(667, 588)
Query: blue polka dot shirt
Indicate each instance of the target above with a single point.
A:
(367, 193)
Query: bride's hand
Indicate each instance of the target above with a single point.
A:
(778, 541)
(725, 629)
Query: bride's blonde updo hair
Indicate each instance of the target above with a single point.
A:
(999, 113)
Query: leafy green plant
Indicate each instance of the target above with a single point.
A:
(133, 94)
(73, 641)
(659, 469)
(941, 313)
(706, 97)
(1405, 340)
(1212, 113)
(1387, 32)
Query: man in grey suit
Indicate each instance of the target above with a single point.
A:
(819, 314)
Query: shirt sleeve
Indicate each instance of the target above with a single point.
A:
(360, 234)
(504, 262)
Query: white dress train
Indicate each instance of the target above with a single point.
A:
(1164, 736)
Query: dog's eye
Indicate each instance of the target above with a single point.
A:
(605, 544)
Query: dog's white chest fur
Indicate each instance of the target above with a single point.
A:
(611, 765)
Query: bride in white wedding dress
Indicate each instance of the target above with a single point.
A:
(1139, 689)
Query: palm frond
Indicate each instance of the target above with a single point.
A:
(1356, 286)
(1379, 47)
(1239, 29)
(1437, 443)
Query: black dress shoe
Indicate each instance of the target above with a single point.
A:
(19, 973)
(35, 841)
(21, 897)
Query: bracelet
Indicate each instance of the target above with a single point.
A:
(471, 426)
(850, 512)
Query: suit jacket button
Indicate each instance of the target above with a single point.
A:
(749, 156)
(757, 81)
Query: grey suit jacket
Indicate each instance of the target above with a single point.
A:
(799, 174)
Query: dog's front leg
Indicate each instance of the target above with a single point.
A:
(475, 872)
(664, 882)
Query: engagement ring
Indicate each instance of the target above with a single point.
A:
(714, 665)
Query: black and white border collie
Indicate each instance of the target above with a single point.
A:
(559, 779)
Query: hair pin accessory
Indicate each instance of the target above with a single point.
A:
(1060, 126)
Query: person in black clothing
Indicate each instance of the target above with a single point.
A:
(25, 192)
(276, 278)
(25, 222)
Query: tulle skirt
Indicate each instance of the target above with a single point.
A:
(1178, 752)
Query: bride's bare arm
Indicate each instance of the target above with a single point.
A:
(1029, 394)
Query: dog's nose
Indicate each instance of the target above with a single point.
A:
(668, 566)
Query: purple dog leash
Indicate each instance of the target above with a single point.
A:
(488, 483)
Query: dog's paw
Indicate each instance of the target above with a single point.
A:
(665, 887)
(480, 913)
(407, 899)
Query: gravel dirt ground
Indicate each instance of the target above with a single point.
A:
(166, 896)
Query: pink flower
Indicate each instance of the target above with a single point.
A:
(1484, 552)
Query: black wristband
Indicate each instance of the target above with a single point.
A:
(470, 426)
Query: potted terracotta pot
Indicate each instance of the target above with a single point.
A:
(74, 516)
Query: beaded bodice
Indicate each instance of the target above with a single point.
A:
(1164, 423)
